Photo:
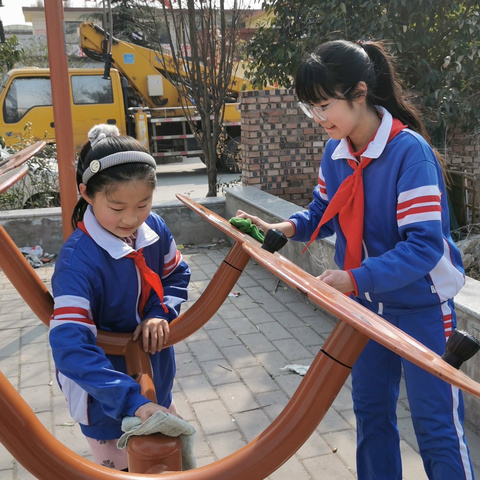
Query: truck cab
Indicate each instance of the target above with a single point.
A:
(26, 99)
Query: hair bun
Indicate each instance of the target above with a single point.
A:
(101, 131)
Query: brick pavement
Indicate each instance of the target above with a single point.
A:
(229, 383)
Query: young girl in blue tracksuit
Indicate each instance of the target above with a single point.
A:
(381, 191)
(119, 271)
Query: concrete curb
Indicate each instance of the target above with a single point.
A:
(43, 226)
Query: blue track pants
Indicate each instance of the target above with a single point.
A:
(436, 407)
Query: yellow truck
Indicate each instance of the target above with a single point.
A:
(136, 96)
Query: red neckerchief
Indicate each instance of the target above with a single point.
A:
(149, 279)
(348, 203)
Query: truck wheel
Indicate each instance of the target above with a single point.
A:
(230, 160)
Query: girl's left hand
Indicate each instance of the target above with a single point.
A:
(338, 279)
(148, 409)
(154, 332)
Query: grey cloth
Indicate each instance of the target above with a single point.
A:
(161, 422)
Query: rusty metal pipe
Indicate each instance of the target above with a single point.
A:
(62, 110)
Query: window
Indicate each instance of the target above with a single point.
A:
(25, 94)
(91, 89)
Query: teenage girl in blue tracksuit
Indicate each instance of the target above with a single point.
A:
(97, 284)
(381, 191)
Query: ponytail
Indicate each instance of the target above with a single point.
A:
(388, 91)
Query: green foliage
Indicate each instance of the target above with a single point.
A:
(435, 43)
(10, 54)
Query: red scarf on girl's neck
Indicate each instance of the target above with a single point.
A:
(149, 279)
(348, 203)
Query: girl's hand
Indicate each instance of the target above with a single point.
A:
(148, 409)
(154, 332)
(286, 227)
(338, 279)
(255, 220)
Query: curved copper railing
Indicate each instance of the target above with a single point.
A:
(264, 454)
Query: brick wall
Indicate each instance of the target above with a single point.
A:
(281, 147)
(463, 152)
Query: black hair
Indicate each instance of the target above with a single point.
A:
(339, 65)
(108, 178)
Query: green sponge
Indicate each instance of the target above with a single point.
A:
(245, 225)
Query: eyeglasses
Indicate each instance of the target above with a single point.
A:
(312, 111)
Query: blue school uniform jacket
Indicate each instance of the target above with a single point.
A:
(96, 287)
(410, 261)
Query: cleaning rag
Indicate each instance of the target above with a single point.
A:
(161, 422)
(245, 225)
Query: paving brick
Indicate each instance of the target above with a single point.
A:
(302, 309)
(328, 467)
(332, 422)
(320, 323)
(35, 374)
(219, 372)
(292, 469)
(229, 311)
(274, 331)
(226, 443)
(289, 383)
(273, 363)
(196, 388)
(252, 423)
(343, 401)
(6, 463)
(265, 299)
(313, 447)
(197, 336)
(344, 445)
(272, 403)
(204, 350)
(214, 323)
(186, 365)
(306, 336)
(36, 334)
(224, 337)
(246, 281)
(289, 319)
(241, 325)
(201, 448)
(9, 343)
(38, 397)
(257, 379)
(10, 366)
(183, 406)
(257, 343)
(412, 465)
(213, 417)
(239, 356)
(237, 397)
(34, 352)
(293, 350)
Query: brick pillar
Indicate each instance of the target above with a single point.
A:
(281, 147)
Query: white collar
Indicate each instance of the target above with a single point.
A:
(376, 147)
(116, 247)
